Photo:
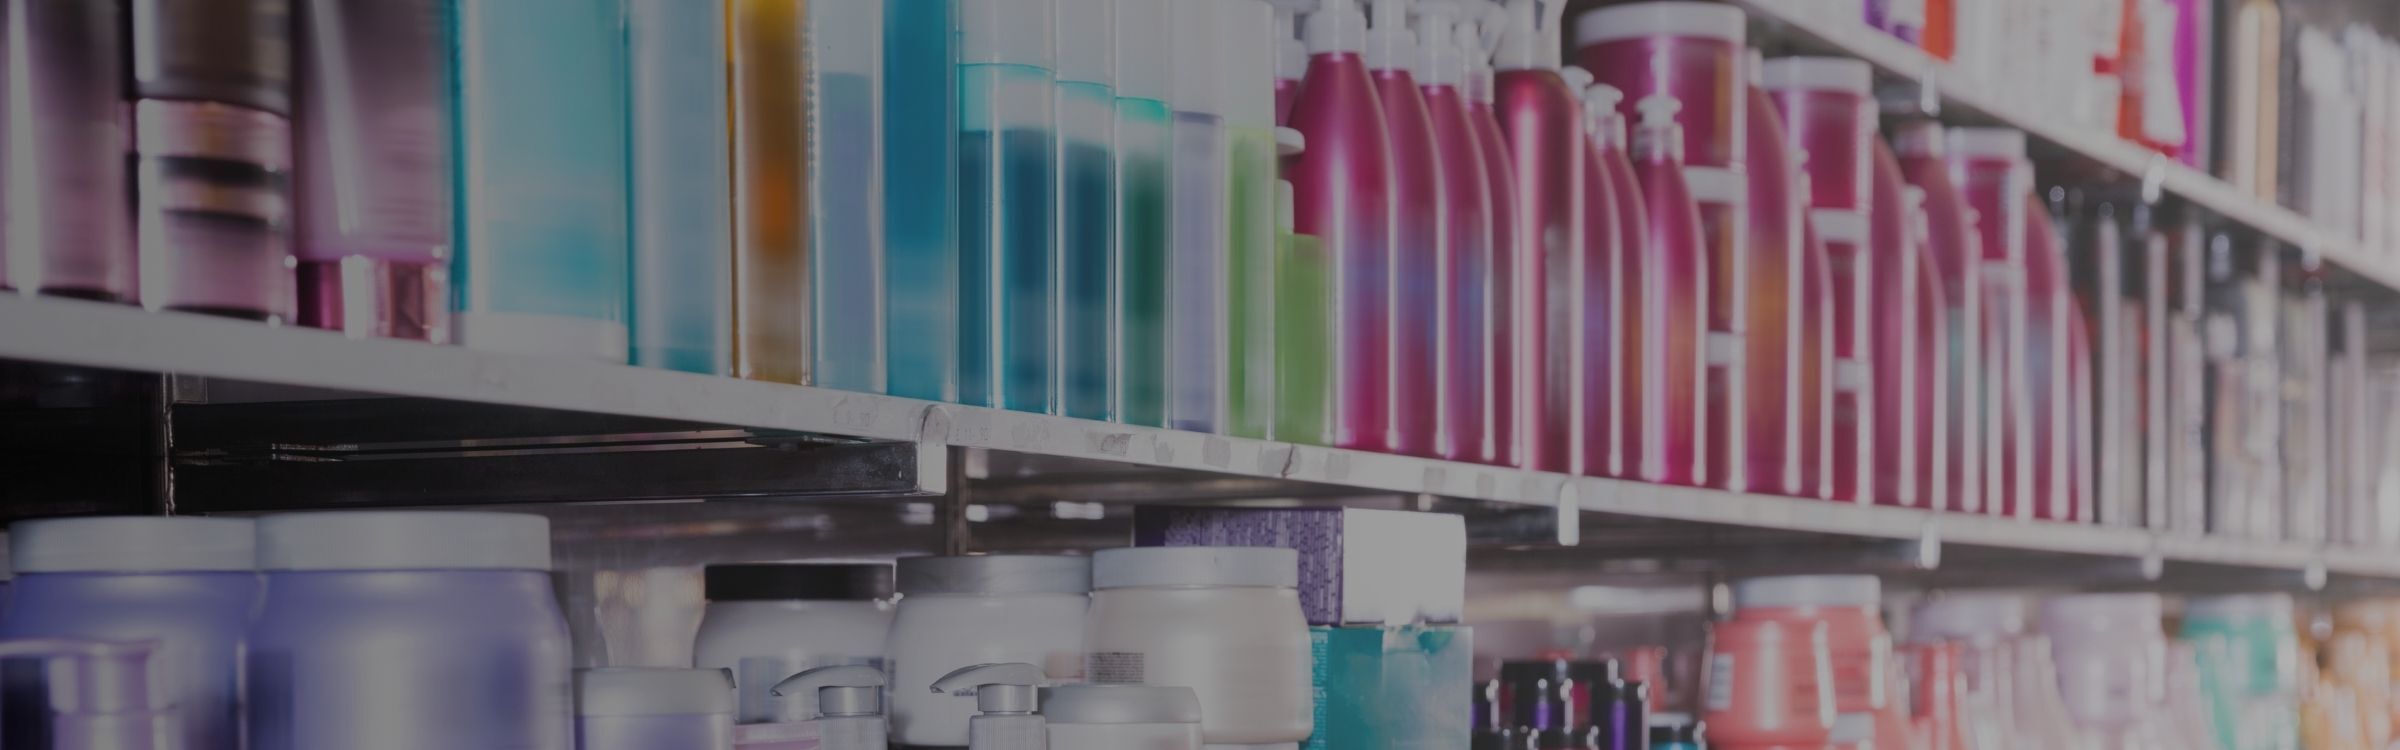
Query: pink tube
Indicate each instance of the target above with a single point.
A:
(1341, 194)
(1467, 274)
(1827, 106)
(1951, 245)
(1418, 246)
(1543, 124)
(1989, 165)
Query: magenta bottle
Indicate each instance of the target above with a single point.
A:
(1464, 430)
(1594, 317)
(1899, 392)
(1542, 120)
(1827, 107)
(1604, 112)
(1500, 176)
(1935, 381)
(1989, 166)
(1813, 450)
(1952, 248)
(1341, 194)
(1778, 380)
(1693, 51)
(1419, 222)
(2050, 352)
(1668, 319)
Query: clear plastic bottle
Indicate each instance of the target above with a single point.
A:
(1303, 322)
(1007, 203)
(846, 247)
(213, 156)
(770, 162)
(682, 184)
(1248, 81)
(1087, 187)
(1197, 221)
(1144, 139)
(920, 189)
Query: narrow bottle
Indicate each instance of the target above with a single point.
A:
(682, 187)
(1597, 295)
(1988, 166)
(1341, 189)
(1419, 231)
(1197, 172)
(770, 162)
(212, 97)
(373, 108)
(1542, 121)
(1900, 402)
(1666, 321)
(543, 251)
(68, 234)
(1007, 206)
(1827, 104)
(1774, 392)
(848, 325)
(1087, 189)
(920, 191)
(1951, 248)
(1464, 428)
(1303, 320)
(2051, 325)
(1144, 139)
(1247, 75)
(1633, 236)
(1499, 173)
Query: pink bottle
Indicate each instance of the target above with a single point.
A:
(1666, 325)
(1952, 249)
(1599, 295)
(1604, 116)
(1859, 649)
(1768, 685)
(1990, 169)
(1933, 393)
(1814, 451)
(1828, 108)
(1543, 123)
(1693, 51)
(1780, 379)
(1419, 225)
(1500, 175)
(1464, 432)
(2051, 326)
(1905, 337)
(1341, 195)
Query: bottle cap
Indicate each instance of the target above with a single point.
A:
(1142, 32)
(1006, 32)
(1288, 142)
(1659, 133)
(1246, 29)
(1479, 35)
(1195, 566)
(1577, 79)
(1120, 704)
(1391, 44)
(1291, 56)
(403, 540)
(1529, 41)
(1335, 26)
(1808, 591)
(1440, 61)
(1086, 35)
(134, 544)
(1836, 74)
(1006, 688)
(653, 691)
(1988, 143)
(1920, 138)
(1600, 102)
(995, 574)
(792, 581)
(1696, 20)
(1196, 39)
(849, 690)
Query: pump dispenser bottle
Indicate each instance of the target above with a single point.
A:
(1087, 188)
(1007, 696)
(1988, 166)
(1303, 320)
(1592, 314)
(1542, 121)
(1609, 286)
(849, 705)
(1827, 106)
(1007, 206)
(1603, 104)
(1419, 223)
(1341, 187)
(1463, 429)
(1246, 31)
(1477, 32)
(1144, 139)
(1776, 391)
(1667, 349)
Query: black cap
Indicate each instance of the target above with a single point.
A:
(777, 582)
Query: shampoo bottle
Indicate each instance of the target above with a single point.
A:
(770, 163)
(1595, 317)
(212, 156)
(682, 186)
(1776, 391)
(1463, 431)
(2052, 325)
(847, 320)
(1988, 165)
(1006, 697)
(1666, 320)
(920, 189)
(1827, 105)
(1419, 222)
(1197, 172)
(1603, 107)
(1007, 206)
(1087, 193)
(1247, 76)
(849, 705)
(68, 233)
(1542, 121)
(1341, 195)
(1900, 400)
(1952, 249)
(1476, 33)
(1144, 139)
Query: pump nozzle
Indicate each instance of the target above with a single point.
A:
(1440, 61)
(1391, 45)
(1007, 688)
(851, 690)
(1530, 41)
(1660, 135)
(1600, 102)
(1291, 57)
(1335, 26)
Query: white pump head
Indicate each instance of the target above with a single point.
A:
(1531, 41)
(1291, 57)
(1006, 688)
(1600, 115)
(1478, 34)
(1577, 79)
(851, 690)
(1391, 44)
(1336, 26)
(1440, 60)
(1658, 132)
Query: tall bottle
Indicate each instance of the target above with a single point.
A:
(373, 108)
(67, 230)
(1303, 320)
(1827, 104)
(1499, 173)
(1594, 319)
(847, 320)
(543, 247)
(1464, 418)
(920, 198)
(1777, 354)
(1989, 167)
(1667, 323)
(1900, 400)
(1932, 336)
(1198, 170)
(2052, 323)
(1543, 123)
(1144, 139)
(1087, 192)
(212, 148)
(1952, 247)
(770, 161)
(1341, 187)
(1419, 225)
(1247, 77)
(1694, 52)
(1007, 206)
(1602, 107)
(682, 186)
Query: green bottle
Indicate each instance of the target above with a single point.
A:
(1303, 327)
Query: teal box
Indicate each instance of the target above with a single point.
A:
(1392, 688)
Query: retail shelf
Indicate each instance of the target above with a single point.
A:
(93, 335)
(1837, 28)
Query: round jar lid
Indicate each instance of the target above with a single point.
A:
(134, 544)
(403, 540)
(1195, 566)
(1808, 591)
(995, 574)
(1988, 143)
(1839, 74)
(652, 691)
(1120, 704)
(796, 581)
(1662, 19)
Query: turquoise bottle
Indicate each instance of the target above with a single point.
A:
(920, 190)
(1007, 200)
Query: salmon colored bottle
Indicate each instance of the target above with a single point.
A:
(1937, 687)
(1778, 373)
(1988, 164)
(1859, 650)
(1951, 244)
(1420, 220)
(1766, 686)
(1542, 121)
(1464, 430)
(1341, 194)
(1501, 177)
(1607, 175)
(1665, 324)
(1827, 106)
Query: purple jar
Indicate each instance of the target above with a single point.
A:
(405, 631)
(186, 583)
(630, 708)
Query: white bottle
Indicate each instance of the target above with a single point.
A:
(849, 705)
(1223, 621)
(986, 609)
(1008, 699)
(1122, 717)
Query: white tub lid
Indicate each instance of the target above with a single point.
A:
(2073, 612)
(995, 574)
(1839, 74)
(403, 540)
(1808, 591)
(1120, 704)
(1195, 566)
(653, 691)
(1988, 143)
(134, 544)
(1639, 20)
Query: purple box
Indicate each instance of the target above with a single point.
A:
(1357, 566)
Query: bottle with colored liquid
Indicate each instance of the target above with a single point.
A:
(1500, 179)
(1007, 206)
(1087, 191)
(920, 190)
(1607, 450)
(770, 209)
(68, 231)
(1665, 323)
(1303, 321)
(1988, 166)
(1542, 121)
(1827, 104)
(1198, 172)
(1419, 222)
(1775, 373)
(1595, 314)
(848, 324)
(212, 157)
(2052, 323)
(682, 187)
(1341, 195)
(1464, 410)
(1247, 76)
(1144, 141)
(1899, 330)
(1952, 250)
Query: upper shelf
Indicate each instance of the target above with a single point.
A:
(1837, 27)
(70, 332)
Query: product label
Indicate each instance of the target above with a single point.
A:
(1720, 682)
(1115, 668)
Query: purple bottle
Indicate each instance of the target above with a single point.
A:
(1543, 122)
(1465, 420)
(1602, 105)
(1500, 176)
(1419, 223)
(636, 708)
(1341, 194)
(186, 583)
(1599, 294)
(1668, 320)
(68, 231)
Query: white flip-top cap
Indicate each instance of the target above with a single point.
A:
(1246, 29)
(1391, 44)
(1086, 36)
(1600, 102)
(1142, 33)
(1291, 57)
(1195, 566)
(652, 691)
(2278, 607)
(403, 540)
(134, 544)
(1697, 20)
(1988, 143)
(1836, 74)
(1290, 142)
(1196, 40)
(1009, 32)
(1335, 26)
(1968, 616)
(1808, 591)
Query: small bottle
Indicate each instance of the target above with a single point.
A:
(1247, 79)
(1144, 140)
(682, 186)
(68, 233)
(1007, 203)
(1087, 190)
(1198, 173)
(920, 194)
(1950, 250)
(848, 324)
(1303, 320)
(1988, 166)
(849, 702)
(1008, 701)
(1779, 438)
(1341, 187)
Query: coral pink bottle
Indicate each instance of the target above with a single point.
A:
(1341, 194)
(1604, 117)
(1827, 106)
(1665, 324)
(1858, 650)
(1500, 177)
(1989, 167)
(1951, 246)
(1779, 376)
(1543, 123)
(1768, 685)
(1693, 51)
(2049, 365)
(1594, 315)
(1464, 431)
(1419, 222)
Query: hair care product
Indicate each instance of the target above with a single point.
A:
(1828, 104)
(1419, 223)
(69, 233)
(1463, 408)
(1667, 320)
(636, 708)
(1499, 171)
(1953, 247)
(849, 319)
(1144, 144)
(1007, 204)
(957, 612)
(922, 282)
(682, 184)
(1614, 225)
(848, 703)
(1541, 118)
(1246, 31)
(1224, 621)
(1342, 195)
(1117, 717)
(768, 621)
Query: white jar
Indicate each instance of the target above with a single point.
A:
(769, 621)
(1223, 621)
(1122, 717)
(962, 611)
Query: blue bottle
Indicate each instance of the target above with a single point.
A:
(920, 189)
(682, 186)
(847, 250)
(1007, 206)
(1087, 194)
